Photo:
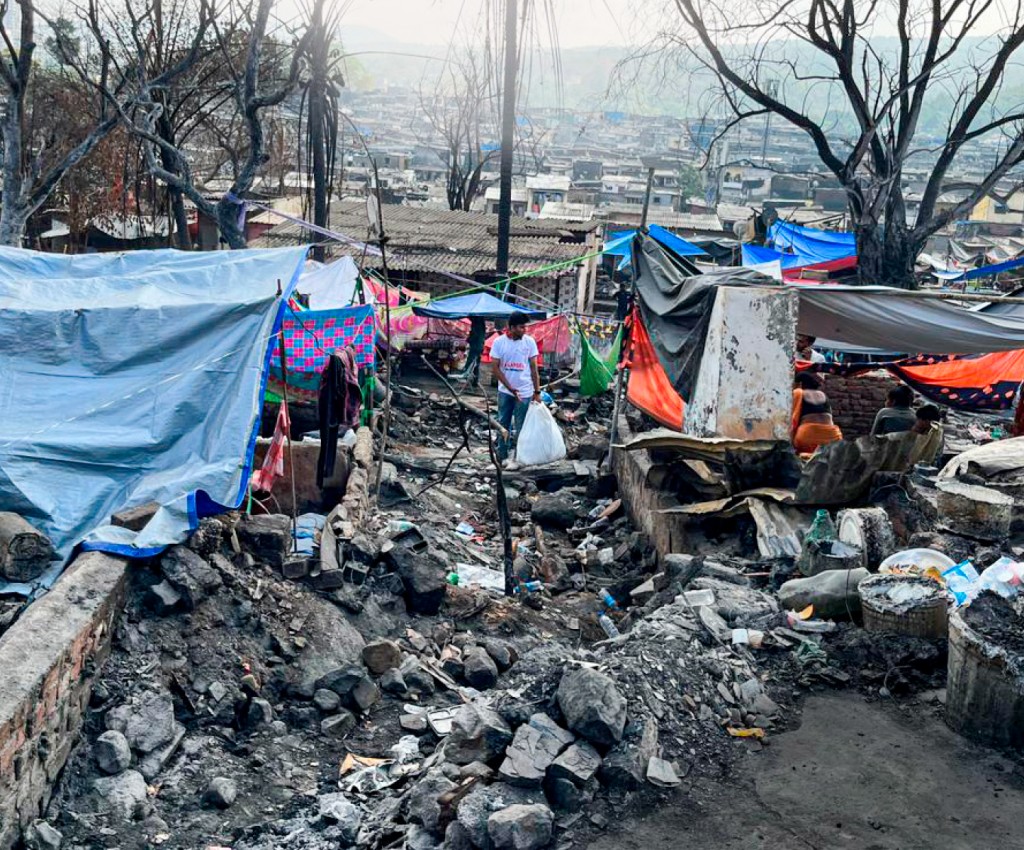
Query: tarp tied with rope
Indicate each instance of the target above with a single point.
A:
(133, 378)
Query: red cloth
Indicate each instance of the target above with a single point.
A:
(832, 267)
(273, 461)
(649, 388)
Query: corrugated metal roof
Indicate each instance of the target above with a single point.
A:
(428, 239)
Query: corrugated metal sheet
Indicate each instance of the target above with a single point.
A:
(426, 239)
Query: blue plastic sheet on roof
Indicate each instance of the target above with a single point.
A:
(755, 255)
(620, 244)
(479, 305)
(132, 379)
(809, 244)
(984, 271)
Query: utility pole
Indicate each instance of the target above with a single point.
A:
(508, 126)
(316, 94)
(647, 197)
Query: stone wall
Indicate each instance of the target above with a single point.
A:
(856, 400)
(49, 659)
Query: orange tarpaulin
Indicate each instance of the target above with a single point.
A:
(649, 388)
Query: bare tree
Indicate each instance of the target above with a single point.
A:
(244, 55)
(462, 112)
(768, 57)
(36, 154)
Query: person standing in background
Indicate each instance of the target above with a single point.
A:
(514, 365)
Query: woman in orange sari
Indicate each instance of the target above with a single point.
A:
(812, 415)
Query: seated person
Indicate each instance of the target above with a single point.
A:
(812, 415)
(897, 416)
(928, 422)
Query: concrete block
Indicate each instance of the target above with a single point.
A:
(973, 511)
(744, 388)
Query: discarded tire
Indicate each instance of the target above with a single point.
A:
(869, 530)
(984, 693)
(904, 605)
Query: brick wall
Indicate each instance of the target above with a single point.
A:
(48, 660)
(856, 400)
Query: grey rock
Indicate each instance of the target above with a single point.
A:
(381, 655)
(365, 694)
(415, 723)
(259, 713)
(216, 692)
(456, 837)
(189, 574)
(476, 808)
(123, 795)
(418, 838)
(625, 765)
(117, 717)
(153, 762)
(338, 725)
(41, 836)
(661, 773)
(521, 827)
(545, 724)
(592, 447)
(592, 705)
(477, 769)
(342, 680)
(220, 793)
(418, 680)
(478, 734)
(833, 593)
(267, 537)
(112, 751)
(327, 701)
(422, 801)
(563, 795)
(503, 653)
(423, 578)
(150, 722)
(336, 808)
(553, 512)
(479, 669)
(163, 599)
(578, 764)
(393, 682)
(530, 754)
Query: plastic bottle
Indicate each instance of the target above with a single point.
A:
(453, 578)
(822, 528)
(529, 586)
(608, 599)
(605, 622)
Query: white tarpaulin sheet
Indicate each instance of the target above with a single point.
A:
(867, 316)
(133, 378)
(330, 286)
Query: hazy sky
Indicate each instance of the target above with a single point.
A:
(580, 22)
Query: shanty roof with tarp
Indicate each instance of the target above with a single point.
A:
(133, 379)
(477, 305)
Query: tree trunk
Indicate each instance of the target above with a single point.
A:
(180, 215)
(13, 219)
(317, 96)
(886, 255)
(228, 222)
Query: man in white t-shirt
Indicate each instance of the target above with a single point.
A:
(514, 364)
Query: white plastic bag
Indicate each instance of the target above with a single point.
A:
(540, 441)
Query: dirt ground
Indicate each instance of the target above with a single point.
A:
(855, 774)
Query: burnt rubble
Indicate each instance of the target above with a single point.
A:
(390, 695)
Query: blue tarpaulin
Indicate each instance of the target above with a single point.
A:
(984, 271)
(756, 255)
(479, 305)
(132, 379)
(809, 244)
(620, 244)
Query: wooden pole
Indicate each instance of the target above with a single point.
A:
(382, 241)
(647, 199)
(288, 435)
(508, 126)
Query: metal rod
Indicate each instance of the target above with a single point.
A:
(382, 241)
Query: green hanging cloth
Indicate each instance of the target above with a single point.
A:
(596, 374)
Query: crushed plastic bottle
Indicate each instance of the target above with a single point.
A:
(1003, 577)
(608, 599)
(961, 582)
(605, 622)
(822, 529)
